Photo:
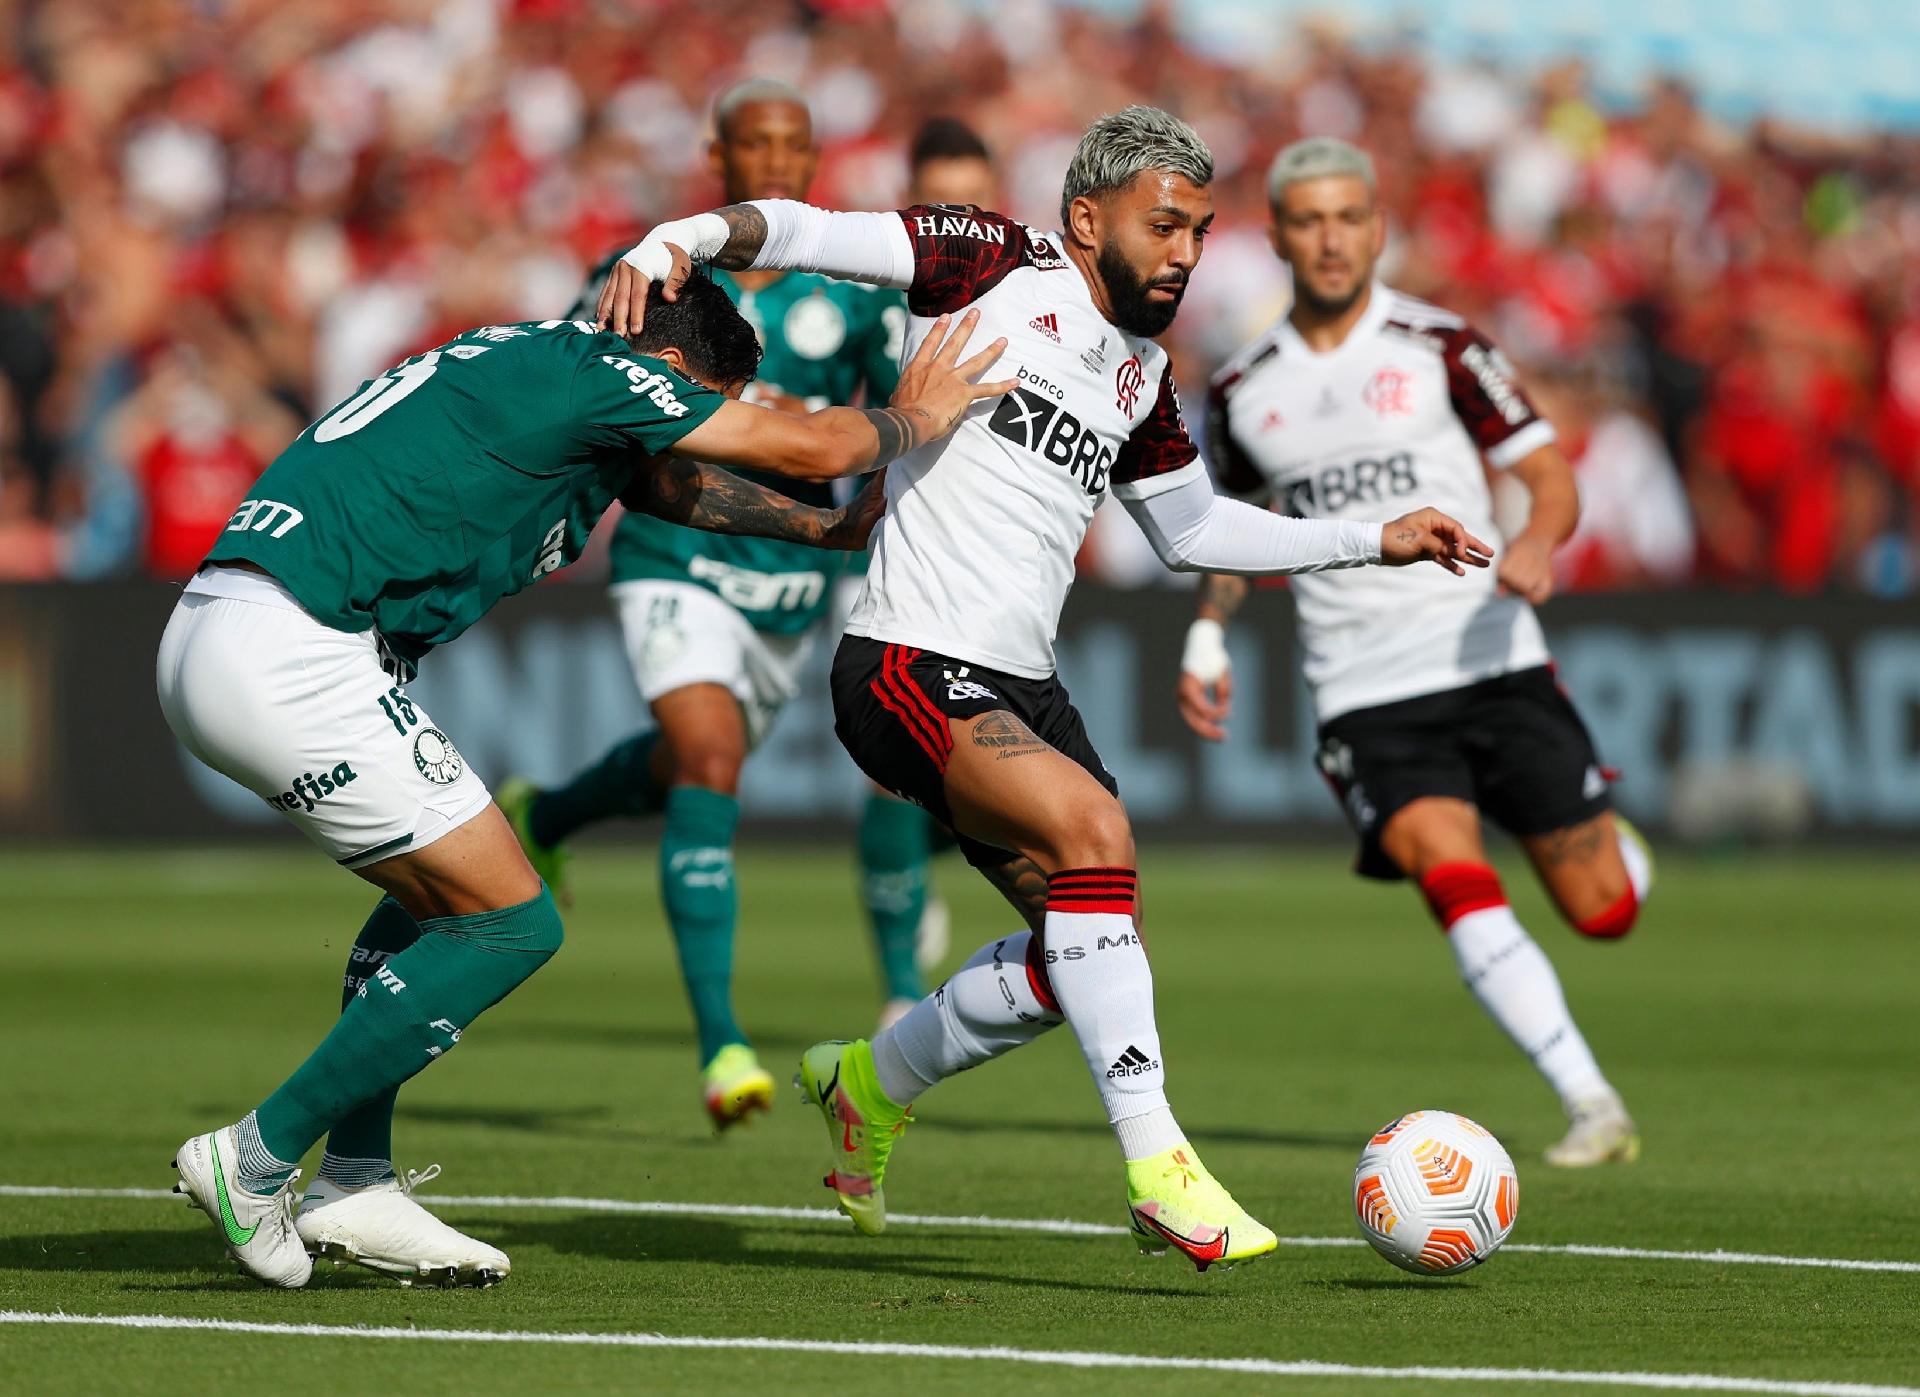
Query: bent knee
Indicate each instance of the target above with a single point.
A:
(1101, 837)
(1612, 921)
(715, 767)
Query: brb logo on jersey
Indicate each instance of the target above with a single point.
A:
(1038, 424)
(1127, 382)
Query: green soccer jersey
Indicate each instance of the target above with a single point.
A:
(459, 477)
(824, 340)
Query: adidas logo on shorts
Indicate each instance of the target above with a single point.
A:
(1048, 325)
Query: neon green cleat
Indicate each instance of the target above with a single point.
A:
(1176, 1203)
(515, 800)
(862, 1124)
(736, 1086)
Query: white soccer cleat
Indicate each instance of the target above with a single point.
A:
(257, 1228)
(382, 1228)
(1601, 1132)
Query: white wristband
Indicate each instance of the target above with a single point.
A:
(1205, 656)
(701, 237)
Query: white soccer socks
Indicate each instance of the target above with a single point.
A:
(1099, 973)
(991, 1005)
(1094, 974)
(1511, 977)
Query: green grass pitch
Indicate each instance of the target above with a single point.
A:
(1759, 1022)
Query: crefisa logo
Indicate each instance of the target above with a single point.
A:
(310, 788)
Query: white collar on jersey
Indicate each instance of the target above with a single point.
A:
(1379, 303)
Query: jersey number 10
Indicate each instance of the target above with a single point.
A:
(379, 395)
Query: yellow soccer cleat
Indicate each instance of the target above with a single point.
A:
(515, 800)
(862, 1124)
(1176, 1203)
(736, 1086)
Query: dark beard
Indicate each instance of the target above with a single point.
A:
(1127, 295)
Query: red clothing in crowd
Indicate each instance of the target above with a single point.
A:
(192, 488)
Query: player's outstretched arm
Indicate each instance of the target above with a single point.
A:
(703, 496)
(935, 390)
(1427, 535)
(765, 235)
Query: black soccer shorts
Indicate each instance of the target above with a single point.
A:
(891, 710)
(1514, 746)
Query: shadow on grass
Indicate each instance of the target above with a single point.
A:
(707, 1241)
(1437, 1286)
(933, 1123)
(605, 1035)
(195, 1264)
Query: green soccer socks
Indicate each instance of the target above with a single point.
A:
(360, 1145)
(702, 903)
(620, 783)
(411, 1007)
(895, 848)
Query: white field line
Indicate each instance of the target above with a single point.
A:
(1061, 1227)
(1262, 1367)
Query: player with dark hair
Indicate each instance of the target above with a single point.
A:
(717, 630)
(948, 163)
(385, 529)
(944, 685)
(1436, 704)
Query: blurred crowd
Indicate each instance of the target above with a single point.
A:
(216, 218)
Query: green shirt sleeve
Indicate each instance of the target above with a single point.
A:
(625, 399)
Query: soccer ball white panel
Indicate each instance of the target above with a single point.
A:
(1435, 1193)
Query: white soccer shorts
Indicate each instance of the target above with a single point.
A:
(304, 716)
(678, 634)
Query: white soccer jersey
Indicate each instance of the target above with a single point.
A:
(975, 555)
(1398, 416)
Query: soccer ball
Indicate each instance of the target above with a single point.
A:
(1435, 1193)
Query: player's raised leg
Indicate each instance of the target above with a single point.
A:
(1436, 841)
(1599, 873)
(1008, 787)
(625, 781)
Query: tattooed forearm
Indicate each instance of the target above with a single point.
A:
(899, 430)
(746, 235)
(1006, 735)
(706, 497)
(1024, 886)
(1221, 595)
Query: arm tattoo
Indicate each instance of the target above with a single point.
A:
(1007, 736)
(895, 427)
(747, 234)
(1024, 886)
(706, 497)
(1221, 595)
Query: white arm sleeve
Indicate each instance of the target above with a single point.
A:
(869, 247)
(1195, 530)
